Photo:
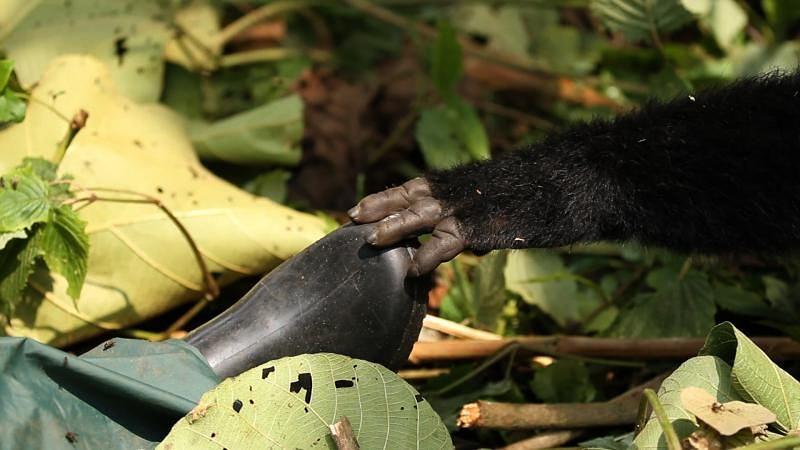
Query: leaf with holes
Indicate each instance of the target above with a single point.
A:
(139, 265)
(292, 402)
(642, 19)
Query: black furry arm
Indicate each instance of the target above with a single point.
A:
(718, 171)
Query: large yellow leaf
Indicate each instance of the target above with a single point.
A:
(139, 264)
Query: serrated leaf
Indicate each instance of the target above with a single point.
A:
(641, 19)
(291, 403)
(140, 264)
(24, 200)
(680, 307)
(726, 418)
(128, 37)
(755, 377)
(446, 61)
(269, 134)
(541, 279)
(17, 262)
(65, 246)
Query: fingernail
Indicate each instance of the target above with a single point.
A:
(353, 212)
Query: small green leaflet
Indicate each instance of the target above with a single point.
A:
(446, 61)
(451, 134)
(36, 225)
(12, 106)
(64, 244)
(23, 200)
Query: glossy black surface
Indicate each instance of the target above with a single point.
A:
(339, 295)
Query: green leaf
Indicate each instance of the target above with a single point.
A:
(268, 134)
(741, 301)
(451, 134)
(12, 107)
(781, 14)
(65, 247)
(709, 373)
(755, 377)
(505, 27)
(640, 19)
(564, 381)
(446, 61)
(271, 185)
(17, 262)
(541, 279)
(725, 18)
(490, 290)
(6, 67)
(291, 402)
(24, 200)
(680, 307)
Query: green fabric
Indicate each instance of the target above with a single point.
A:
(123, 394)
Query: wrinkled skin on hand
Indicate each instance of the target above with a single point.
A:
(410, 210)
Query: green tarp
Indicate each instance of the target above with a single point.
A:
(123, 394)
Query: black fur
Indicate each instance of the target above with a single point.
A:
(716, 172)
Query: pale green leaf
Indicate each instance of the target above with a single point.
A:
(706, 372)
(755, 377)
(642, 19)
(269, 134)
(24, 200)
(503, 26)
(541, 279)
(129, 37)
(291, 403)
(65, 246)
(680, 307)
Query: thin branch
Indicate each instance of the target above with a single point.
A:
(257, 15)
(510, 351)
(343, 436)
(75, 125)
(621, 410)
(40, 102)
(211, 289)
(618, 348)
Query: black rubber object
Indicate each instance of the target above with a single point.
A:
(339, 295)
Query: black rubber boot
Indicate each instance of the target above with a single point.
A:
(339, 295)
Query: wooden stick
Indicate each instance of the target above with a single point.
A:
(342, 433)
(548, 439)
(617, 348)
(457, 330)
(621, 410)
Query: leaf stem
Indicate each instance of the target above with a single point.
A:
(673, 443)
(40, 102)
(509, 350)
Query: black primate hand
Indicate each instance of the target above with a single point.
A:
(409, 210)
